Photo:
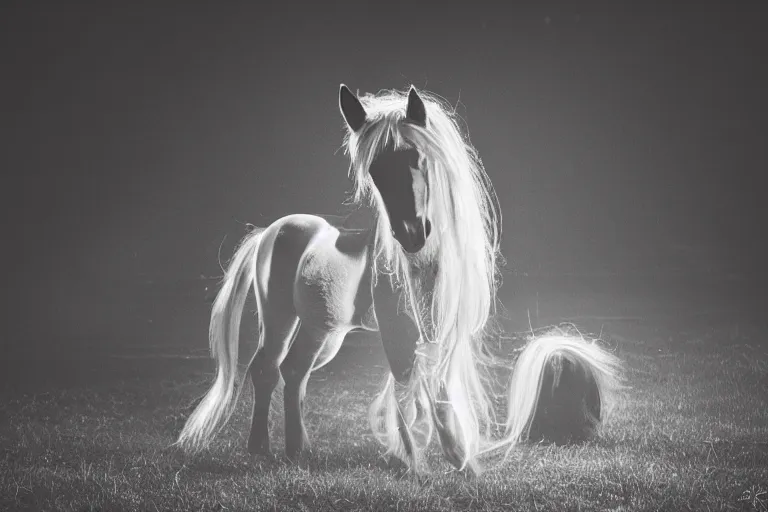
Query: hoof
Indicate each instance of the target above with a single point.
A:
(418, 477)
(297, 456)
(414, 475)
(259, 450)
(403, 470)
(472, 470)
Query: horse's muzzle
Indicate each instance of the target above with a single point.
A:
(413, 235)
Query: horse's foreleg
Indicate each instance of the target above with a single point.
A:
(447, 430)
(398, 337)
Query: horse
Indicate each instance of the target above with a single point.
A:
(424, 274)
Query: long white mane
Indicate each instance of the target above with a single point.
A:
(453, 309)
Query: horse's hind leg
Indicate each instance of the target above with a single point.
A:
(296, 369)
(278, 318)
(264, 370)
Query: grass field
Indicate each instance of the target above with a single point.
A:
(691, 433)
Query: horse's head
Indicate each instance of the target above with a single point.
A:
(398, 173)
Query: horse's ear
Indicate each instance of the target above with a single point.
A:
(351, 108)
(416, 112)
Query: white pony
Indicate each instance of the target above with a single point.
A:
(425, 275)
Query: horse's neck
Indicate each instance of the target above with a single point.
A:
(423, 278)
(415, 295)
(355, 242)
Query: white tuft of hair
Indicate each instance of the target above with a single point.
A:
(526, 382)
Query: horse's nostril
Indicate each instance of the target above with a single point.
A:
(427, 228)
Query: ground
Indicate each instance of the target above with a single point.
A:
(91, 429)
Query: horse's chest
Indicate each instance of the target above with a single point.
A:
(333, 288)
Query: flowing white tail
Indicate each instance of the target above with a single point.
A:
(217, 405)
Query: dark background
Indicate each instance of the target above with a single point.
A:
(624, 138)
